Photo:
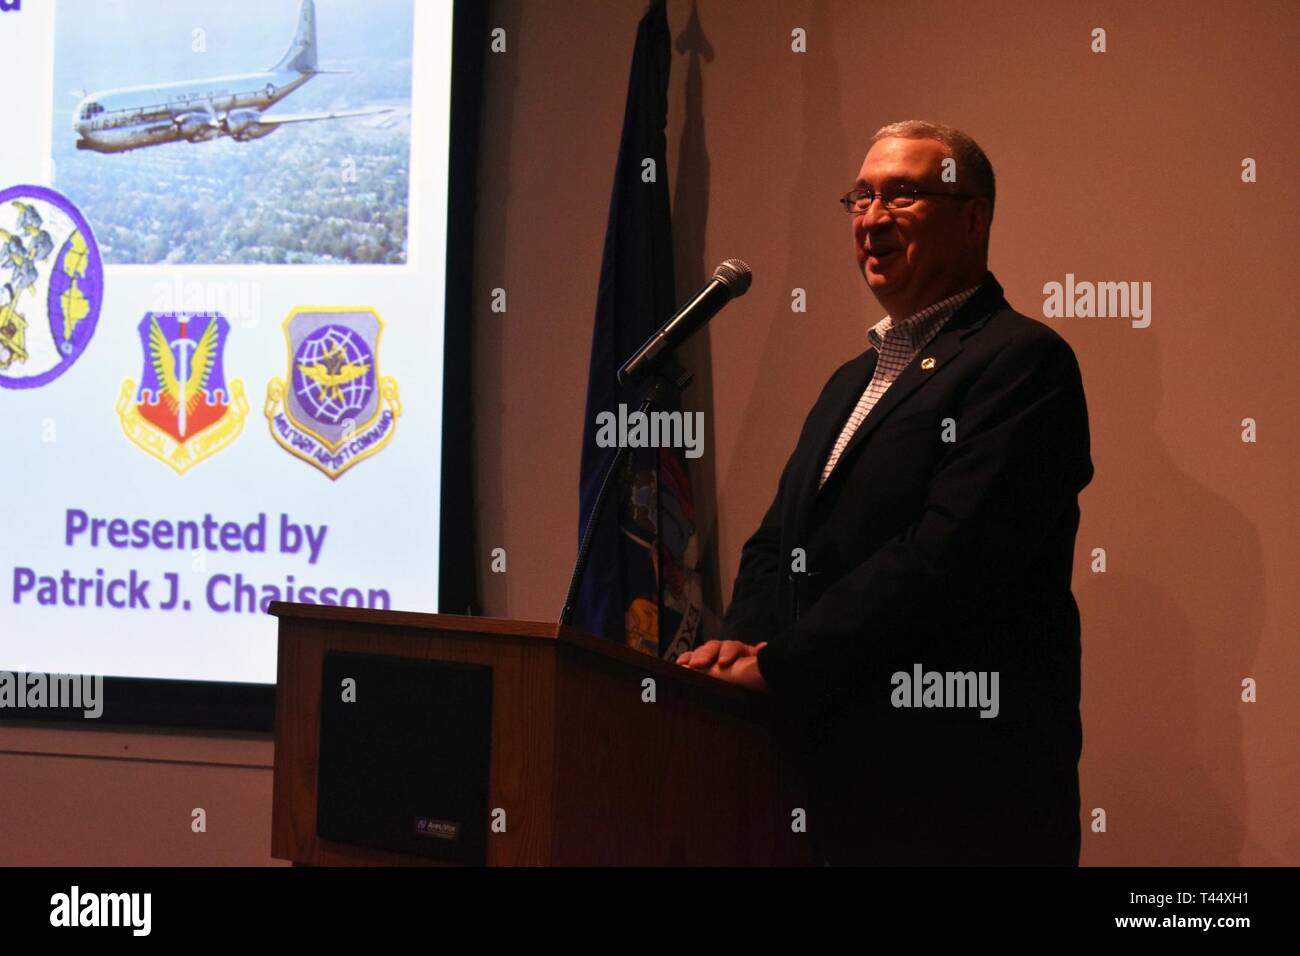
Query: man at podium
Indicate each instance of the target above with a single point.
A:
(906, 599)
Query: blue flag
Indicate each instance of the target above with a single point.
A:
(641, 587)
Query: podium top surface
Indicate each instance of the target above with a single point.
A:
(503, 627)
(423, 620)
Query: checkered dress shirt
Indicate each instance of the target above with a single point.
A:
(897, 343)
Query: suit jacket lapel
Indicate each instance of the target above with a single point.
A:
(838, 409)
(943, 348)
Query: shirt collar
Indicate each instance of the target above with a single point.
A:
(921, 326)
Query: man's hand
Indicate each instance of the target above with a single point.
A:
(719, 653)
(732, 661)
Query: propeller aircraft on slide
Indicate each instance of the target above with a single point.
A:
(195, 111)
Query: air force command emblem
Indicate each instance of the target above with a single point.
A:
(335, 409)
(51, 286)
(182, 412)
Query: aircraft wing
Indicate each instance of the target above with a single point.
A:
(272, 120)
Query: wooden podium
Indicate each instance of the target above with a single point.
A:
(585, 770)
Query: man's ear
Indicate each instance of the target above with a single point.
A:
(979, 221)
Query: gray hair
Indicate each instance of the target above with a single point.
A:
(974, 171)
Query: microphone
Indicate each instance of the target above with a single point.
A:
(731, 279)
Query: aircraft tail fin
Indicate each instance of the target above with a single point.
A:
(301, 55)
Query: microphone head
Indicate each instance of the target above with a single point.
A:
(735, 275)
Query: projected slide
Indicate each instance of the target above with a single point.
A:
(222, 267)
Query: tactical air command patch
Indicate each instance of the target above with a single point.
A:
(182, 412)
(51, 286)
(335, 409)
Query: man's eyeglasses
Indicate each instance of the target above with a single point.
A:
(900, 196)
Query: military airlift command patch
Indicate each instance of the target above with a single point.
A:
(334, 409)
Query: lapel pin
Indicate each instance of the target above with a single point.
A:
(927, 363)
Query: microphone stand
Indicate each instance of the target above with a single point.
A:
(674, 379)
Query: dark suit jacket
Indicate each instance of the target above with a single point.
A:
(954, 555)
